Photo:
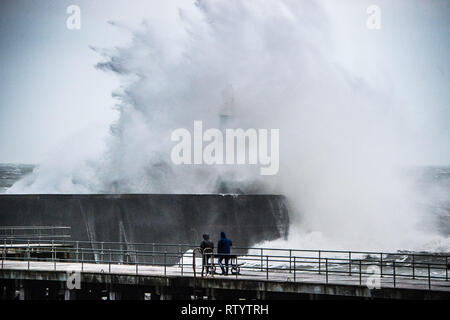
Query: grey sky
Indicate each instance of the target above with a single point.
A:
(50, 91)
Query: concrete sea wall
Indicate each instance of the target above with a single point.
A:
(159, 218)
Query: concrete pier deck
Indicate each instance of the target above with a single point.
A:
(174, 282)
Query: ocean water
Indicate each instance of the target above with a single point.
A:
(10, 173)
(433, 184)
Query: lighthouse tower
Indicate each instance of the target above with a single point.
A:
(227, 120)
(228, 109)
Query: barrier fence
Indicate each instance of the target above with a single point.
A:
(328, 266)
(34, 232)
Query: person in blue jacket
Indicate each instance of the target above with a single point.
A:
(224, 249)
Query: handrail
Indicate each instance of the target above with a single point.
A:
(34, 232)
(32, 227)
(251, 264)
(293, 250)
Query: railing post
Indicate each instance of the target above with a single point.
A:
(295, 267)
(101, 253)
(267, 267)
(349, 263)
(326, 269)
(446, 268)
(413, 267)
(290, 260)
(381, 264)
(429, 277)
(182, 264)
(4, 252)
(393, 266)
(360, 274)
(54, 254)
(137, 263)
(165, 262)
(237, 266)
(110, 258)
(319, 261)
(193, 262)
(212, 264)
(28, 254)
(262, 267)
(77, 252)
(153, 253)
(82, 260)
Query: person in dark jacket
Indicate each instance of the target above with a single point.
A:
(207, 246)
(224, 249)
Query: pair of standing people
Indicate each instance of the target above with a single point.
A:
(223, 251)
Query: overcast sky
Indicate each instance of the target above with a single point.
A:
(50, 90)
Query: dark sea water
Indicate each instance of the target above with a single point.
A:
(10, 173)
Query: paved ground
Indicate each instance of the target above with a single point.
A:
(248, 274)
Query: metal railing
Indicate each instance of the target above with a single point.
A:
(342, 269)
(400, 269)
(34, 232)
